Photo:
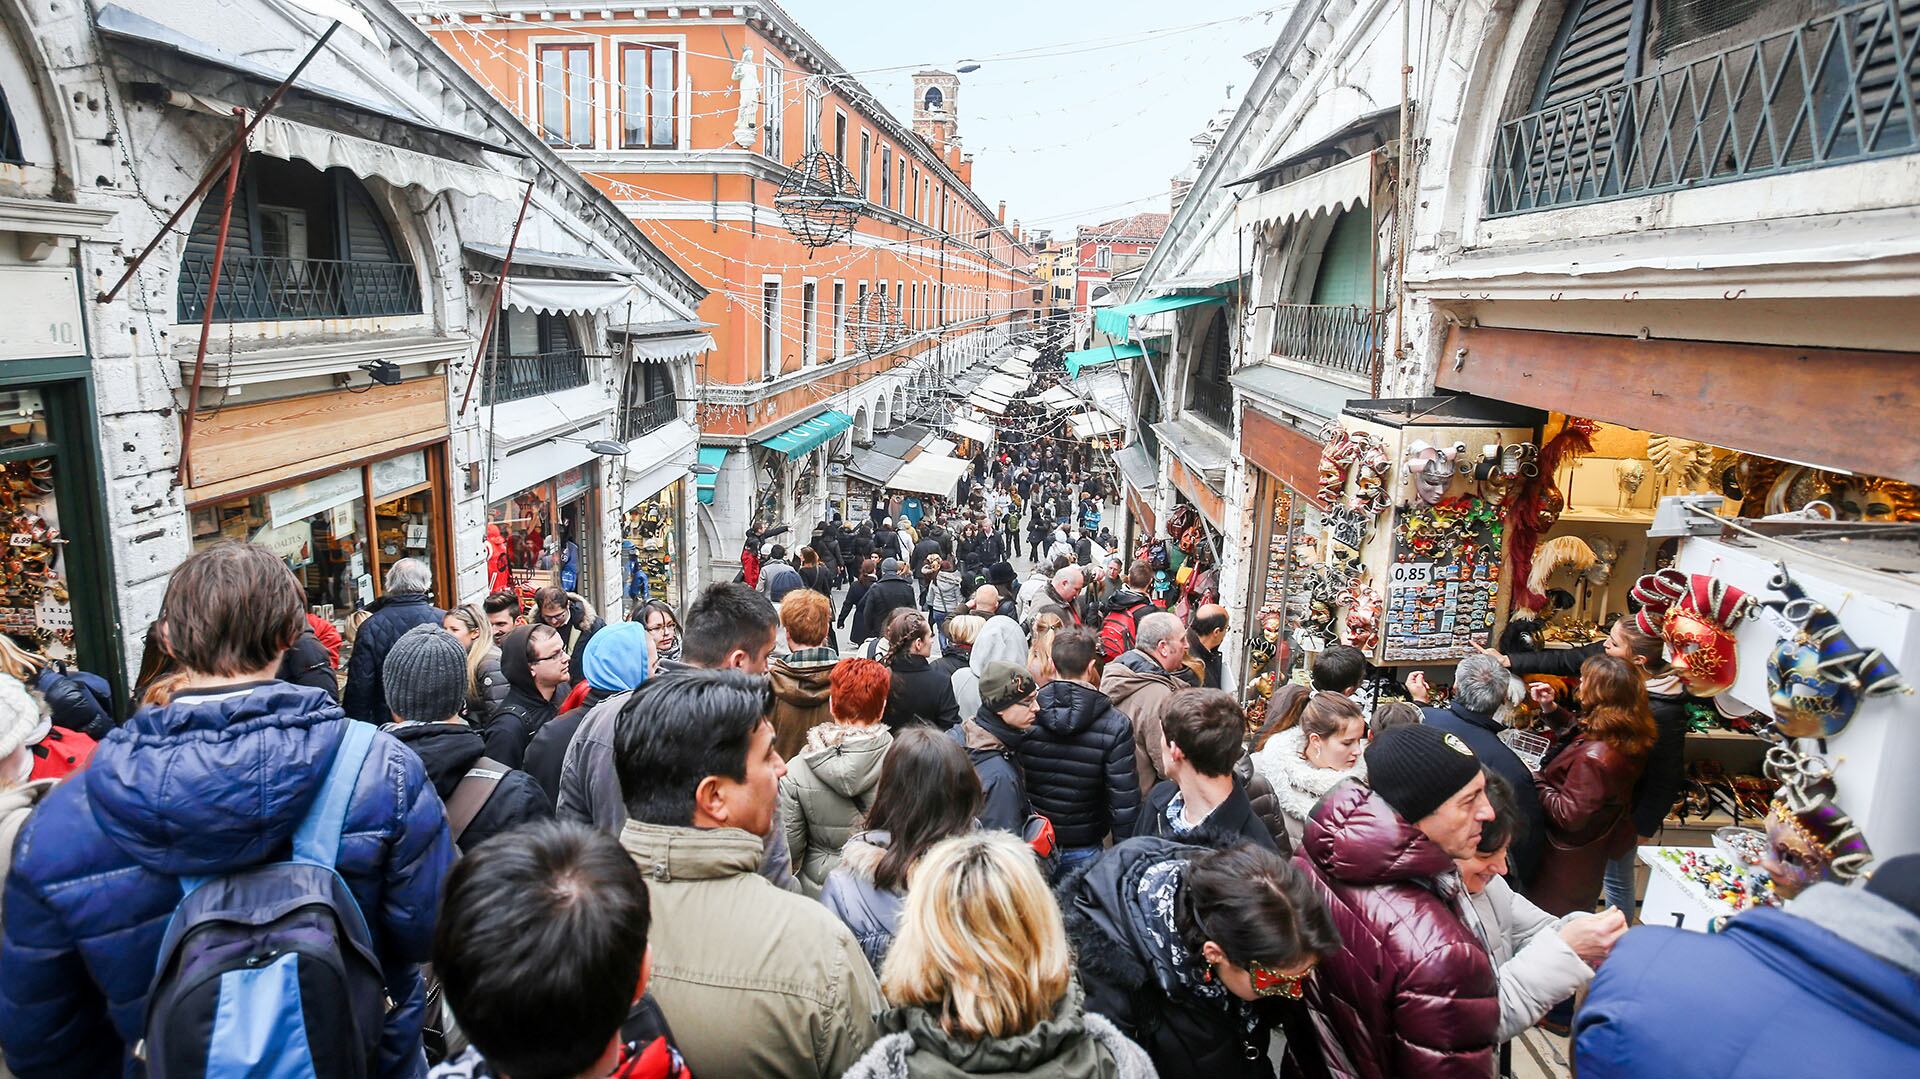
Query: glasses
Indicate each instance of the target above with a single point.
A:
(537, 660)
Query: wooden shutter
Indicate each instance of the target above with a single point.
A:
(1595, 49)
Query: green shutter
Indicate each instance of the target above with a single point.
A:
(1346, 271)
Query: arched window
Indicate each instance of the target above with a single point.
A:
(301, 244)
(935, 99)
(1210, 395)
(1346, 276)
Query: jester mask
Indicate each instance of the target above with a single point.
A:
(1697, 622)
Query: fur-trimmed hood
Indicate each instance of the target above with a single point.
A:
(1298, 785)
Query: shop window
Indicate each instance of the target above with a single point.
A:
(1209, 394)
(301, 244)
(542, 529)
(651, 553)
(566, 95)
(533, 353)
(322, 528)
(10, 149)
(650, 83)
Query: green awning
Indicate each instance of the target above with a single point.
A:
(1113, 320)
(1094, 357)
(809, 435)
(714, 457)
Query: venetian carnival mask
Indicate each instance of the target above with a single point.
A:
(1431, 470)
(1270, 627)
(1812, 839)
(1697, 624)
(1817, 678)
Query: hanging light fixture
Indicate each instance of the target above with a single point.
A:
(818, 201)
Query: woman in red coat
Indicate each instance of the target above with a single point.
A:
(1586, 786)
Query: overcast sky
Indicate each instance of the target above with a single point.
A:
(1093, 133)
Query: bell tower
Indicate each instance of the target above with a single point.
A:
(936, 100)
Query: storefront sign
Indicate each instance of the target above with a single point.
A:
(314, 497)
(399, 473)
(292, 541)
(574, 482)
(1279, 450)
(45, 306)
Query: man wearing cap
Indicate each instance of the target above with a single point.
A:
(1412, 991)
(1008, 705)
(425, 675)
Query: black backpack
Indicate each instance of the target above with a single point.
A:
(271, 970)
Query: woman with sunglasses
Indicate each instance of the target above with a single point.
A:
(1198, 953)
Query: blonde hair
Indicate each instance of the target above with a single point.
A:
(475, 616)
(17, 661)
(1040, 652)
(963, 628)
(981, 943)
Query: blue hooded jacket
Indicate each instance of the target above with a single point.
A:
(209, 784)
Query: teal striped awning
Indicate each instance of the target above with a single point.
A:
(714, 457)
(809, 435)
(1113, 320)
(1094, 357)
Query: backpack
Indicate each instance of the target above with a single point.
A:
(440, 1032)
(270, 970)
(1117, 630)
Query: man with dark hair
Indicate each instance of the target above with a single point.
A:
(729, 627)
(570, 616)
(1204, 635)
(1204, 729)
(755, 981)
(1078, 756)
(542, 951)
(992, 737)
(1340, 669)
(893, 591)
(405, 605)
(1120, 615)
(210, 784)
(503, 614)
(777, 576)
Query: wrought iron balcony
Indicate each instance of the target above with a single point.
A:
(1344, 339)
(1213, 402)
(1838, 88)
(255, 288)
(516, 378)
(647, 417)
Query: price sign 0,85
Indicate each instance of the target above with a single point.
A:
(1410, 574)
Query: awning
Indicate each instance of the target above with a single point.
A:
(714, 457)
(1092, 425)
(667, 349)
(873, 467)
(1059, 398)
(1294, 392)
(1003, 385)
(987, 403)
(566, 297)
(1094, 357)
(1027, 353)
(1113, 320)
(808, 435)
(550, 260)
(1330, 190)
(1016, 369)
(324, 149)
(1195, 281)
(1107, 390)
(939, 447)
(1385, 121)
(1138, 466)
(973, 429)
(930, 474)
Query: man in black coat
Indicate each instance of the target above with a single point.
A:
(1200, 801)
(426, 686)
(405, 605)
(890, 593)
(1079, 756)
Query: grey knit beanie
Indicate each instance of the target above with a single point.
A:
(426, 675)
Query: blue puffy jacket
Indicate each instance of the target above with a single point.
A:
(207, 785)
(1828, 989)
(393, 616)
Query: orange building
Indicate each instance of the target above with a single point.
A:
(690, 118)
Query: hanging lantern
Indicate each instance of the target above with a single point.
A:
(818, 201)
(873, 321)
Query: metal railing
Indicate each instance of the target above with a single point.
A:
(256, 288)
(515, 378)
(1212, 401)
(647, 417)
(1345, 339)
(1838, 88)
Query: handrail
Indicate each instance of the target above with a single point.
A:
(261, 288)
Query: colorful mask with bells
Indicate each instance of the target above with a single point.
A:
(1812, 840)
(1817, 678)
(1697, 626)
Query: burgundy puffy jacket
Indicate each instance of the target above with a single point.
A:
(1412, 991)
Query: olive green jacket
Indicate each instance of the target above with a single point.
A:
(754, 980)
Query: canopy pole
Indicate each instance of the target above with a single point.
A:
(493, 308)
(234, 158)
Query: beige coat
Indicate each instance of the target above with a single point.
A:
(754, 981)
(1138, 687)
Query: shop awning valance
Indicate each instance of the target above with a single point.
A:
(939, 447)
(988, 403)
(873, 467)
(1194, 281)
(1059, 398)
(1113, 320)
(1093, 425)
(324, 149)
(714, 457)
(1345, 185)
(973, 429)
(1004, 385)
(566, 297)
(930, 474)
(808, 435)
(1094, 357)
(667, 349)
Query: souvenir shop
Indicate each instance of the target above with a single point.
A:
(546, 535)
(650, 555)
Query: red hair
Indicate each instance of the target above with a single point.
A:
(859, 690)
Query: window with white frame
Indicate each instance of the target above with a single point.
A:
(866, 162)
(809, 319)
(901, 189)
(650, 93)
(886, 176)
(775, 87)
(1102, 257)
(839, 319)
(769, 329)
(566, 95)
(840, 136)
(816, 98)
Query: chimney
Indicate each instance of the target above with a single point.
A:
(965, 169)
(1003, 211)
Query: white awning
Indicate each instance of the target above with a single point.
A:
(667, 349)
(567, 297)
(1059, 398)
(973, 429)
(1016, 369)
(1106, 388)
(1027, 353)
(1330, 190)
(323, 149)
(1005, 385)
(938, 447)
(930, 474)
(987, 403)
(1092, 425)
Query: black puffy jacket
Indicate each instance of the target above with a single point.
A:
(920, 694)
(1078, 756)
(392, 615)
(306, 663)
(448, 750)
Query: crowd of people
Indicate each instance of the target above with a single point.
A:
(1009, 826)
